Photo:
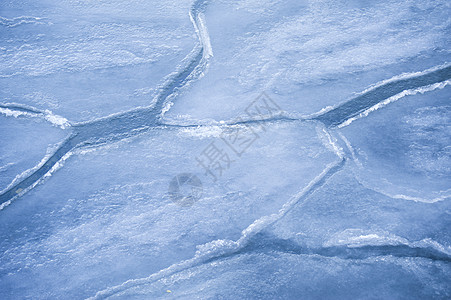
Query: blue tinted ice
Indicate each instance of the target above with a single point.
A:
(225, 149)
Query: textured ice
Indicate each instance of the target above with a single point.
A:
(120, 196)
(312, 54)
(408, 157)
(340, 189)
(280, 275)
(25, 143)
(88, 59)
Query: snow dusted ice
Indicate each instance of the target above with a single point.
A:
(225, 149)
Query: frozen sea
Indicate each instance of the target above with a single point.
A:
(254, 149)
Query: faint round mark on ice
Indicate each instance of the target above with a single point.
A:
(185, 189)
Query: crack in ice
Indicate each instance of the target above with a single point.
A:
(17, 110)
(330, 119)
(124, 124)
(220, 248)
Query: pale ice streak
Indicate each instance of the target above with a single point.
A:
(13, 110)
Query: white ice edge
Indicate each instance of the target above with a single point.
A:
(198, 72)
(329, 141)
(444, 194)
(27, 172)
(56, 120)
(404, 76)
(204, 37)
(5, 167)
(421, 90)
(50, 151)
(47, 115)
(201, 30)
(5, 204)
(56, 167)
(350, 149)
(354, 238)
(20, 20)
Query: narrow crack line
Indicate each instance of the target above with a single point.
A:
(297, 200)
(221, 248)
(21, 108)
(125, 124)
(269, 120)
(373, 96)
(268, 243)
(17, 110)
(360, 106)
(446, 195)
(38, 174)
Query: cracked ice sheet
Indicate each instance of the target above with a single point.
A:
(88, 59)
(106, 214)
(404, 149)
(340, 213)
(311, 55)
(24, 142)
(291, 276)
(344, 212)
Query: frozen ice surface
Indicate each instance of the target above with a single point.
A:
(312, 54)
(88, 59)
(280, 275)
(332, 184)
(116, 209)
